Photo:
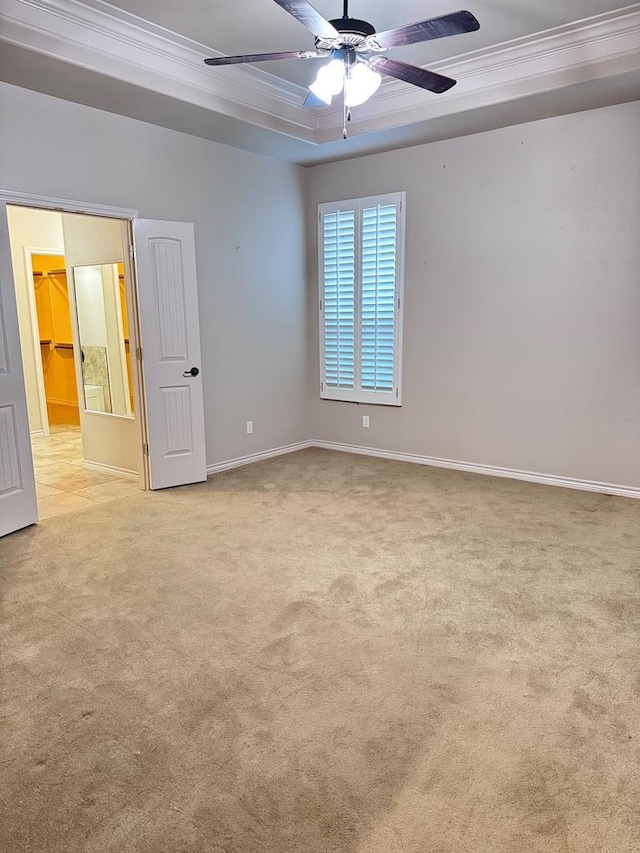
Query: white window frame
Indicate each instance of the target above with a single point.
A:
(357, 394)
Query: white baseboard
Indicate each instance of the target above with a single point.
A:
(38, 433)
(436, 462)
(258, 457)
(122, 473)
(473, 468)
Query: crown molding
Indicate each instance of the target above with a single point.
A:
(593, 48)
(96, 36)
(100, 38)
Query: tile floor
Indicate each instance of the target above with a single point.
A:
(63, 484)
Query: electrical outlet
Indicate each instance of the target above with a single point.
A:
(249, 427)
(365, 421)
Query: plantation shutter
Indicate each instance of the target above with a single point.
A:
(378, 299)
(360, 266)
(339, 254)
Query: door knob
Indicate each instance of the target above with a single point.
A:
(193, 372)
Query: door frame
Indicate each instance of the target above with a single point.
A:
(62, 205)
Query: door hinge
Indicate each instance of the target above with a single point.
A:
(321, 387)
(132, 251)
(398, 304)
(397, 393)
(139, 353)
(145, 449)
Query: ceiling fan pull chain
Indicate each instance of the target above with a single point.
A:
(345, 115)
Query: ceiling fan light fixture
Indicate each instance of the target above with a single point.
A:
(360, 84)
(329, 81)
(355, 49)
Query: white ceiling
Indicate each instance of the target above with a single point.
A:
(261, 26)
(144, 58)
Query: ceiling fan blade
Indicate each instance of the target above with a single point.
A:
(412, 74)
(434, 28)
(265, 57)
(313, 101)
(309, 17)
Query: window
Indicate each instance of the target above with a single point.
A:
(361, 245)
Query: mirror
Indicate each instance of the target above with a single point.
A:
(104, 338)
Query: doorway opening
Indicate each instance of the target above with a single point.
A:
(160, 443)
(77, 320)
(53, 319)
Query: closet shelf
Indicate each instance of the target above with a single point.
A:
(47, 342)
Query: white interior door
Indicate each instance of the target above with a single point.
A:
(168, 309)
(111, 431)
(18, 506)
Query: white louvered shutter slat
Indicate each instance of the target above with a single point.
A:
(339, 298)
(379, 226)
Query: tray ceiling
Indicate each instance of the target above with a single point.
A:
(258, 26)
(143, 58)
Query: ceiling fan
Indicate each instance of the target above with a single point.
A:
(354, 49)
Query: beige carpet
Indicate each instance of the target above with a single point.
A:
(325, 653)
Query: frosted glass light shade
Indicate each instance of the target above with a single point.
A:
(329, 81)
(361, 84)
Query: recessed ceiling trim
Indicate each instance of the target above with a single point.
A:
(102, 41)
(115, 22)
(594, 48)
(102, 38)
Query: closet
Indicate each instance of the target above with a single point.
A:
(125, 330)
(77, 334)
(56, 347)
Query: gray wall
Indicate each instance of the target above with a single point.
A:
(248, 213)
(522, 298)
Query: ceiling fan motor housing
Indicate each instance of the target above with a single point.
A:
(352, 31)
(353, 26)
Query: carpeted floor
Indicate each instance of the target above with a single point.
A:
(324, 653)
